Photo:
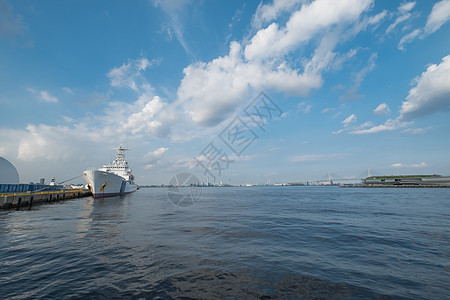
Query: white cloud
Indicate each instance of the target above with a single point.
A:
(350, 119)
(431, 92)
(407, 6)
(382, 109)
(400, 165)
(153, 157)
(147, 119)
(304, 107)
(9, 141)
(348, 123)
(303, 25)
(339, 60)
(352, 93)
(389, 125)
(364, 71)
(120, 121)
(68, 119)
(371, 23)
(53, 142)
(268, 12)
(375, 20)
(327, 109)
(237, 16)
(176, 11)
(234, 21)
(67, 90)
(273, 148)
(129, 75)
(316, 157)
(364, 125)
(408, 39)
(397, 21)
(211, 91)
(236, 158)
(439, 15)
(417, 130)
(183, 164)
(403, 15)
(44, 96)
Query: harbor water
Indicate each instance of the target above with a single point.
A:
(234, 243)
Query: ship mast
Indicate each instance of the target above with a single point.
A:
(120, 156)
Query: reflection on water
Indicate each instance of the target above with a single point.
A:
(248, 243)
(101, 216)
(84, 219)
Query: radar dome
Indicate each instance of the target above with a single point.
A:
(8, 173)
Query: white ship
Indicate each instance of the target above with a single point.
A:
(112, 179)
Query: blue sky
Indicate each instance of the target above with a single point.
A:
(359, 83)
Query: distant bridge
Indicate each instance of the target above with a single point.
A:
(331, 178)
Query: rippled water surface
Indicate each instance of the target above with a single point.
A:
(247, 242)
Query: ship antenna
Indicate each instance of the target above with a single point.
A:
(120, 150)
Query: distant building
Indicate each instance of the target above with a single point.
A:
(407, 180)
(8, 173)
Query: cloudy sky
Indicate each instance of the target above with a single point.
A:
(351, 85)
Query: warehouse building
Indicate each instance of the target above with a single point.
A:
(9, 180)
(407, 180)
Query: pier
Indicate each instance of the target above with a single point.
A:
(31, 198)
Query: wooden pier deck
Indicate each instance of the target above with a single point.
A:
(29, 199)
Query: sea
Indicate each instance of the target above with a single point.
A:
(259, 242)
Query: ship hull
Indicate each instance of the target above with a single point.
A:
(106, 184)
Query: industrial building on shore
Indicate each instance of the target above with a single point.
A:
(9, 180)
(16, 195)
(408, 180)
